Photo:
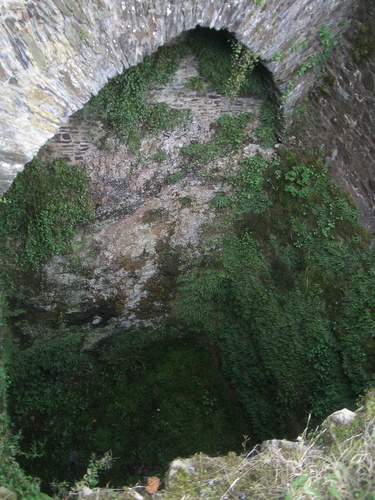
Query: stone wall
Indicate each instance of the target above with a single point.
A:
(55, 54)
(341, 114)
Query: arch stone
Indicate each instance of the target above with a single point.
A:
(55, 54)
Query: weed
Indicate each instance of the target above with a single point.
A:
(107, 400)
(226, 65)
(185, 201)
(121, 103)
(11, 475)
(220, 201)
(198, 84)
(213, 51)
(299, 45)
(229, 136)
(160, 155)
(268, 120)
(84, 34)
(328, 43)
(95, 466)
(277, 56)
(175, 176)
(243, 62)
(290, 273)
(285, 470)
(364, 45)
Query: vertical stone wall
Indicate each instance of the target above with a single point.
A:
(340, 113)
(55, 54)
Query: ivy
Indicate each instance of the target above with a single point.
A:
(243, 62)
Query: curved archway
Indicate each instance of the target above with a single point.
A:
(56, 54)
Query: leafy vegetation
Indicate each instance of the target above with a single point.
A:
(225, 63)
(243, 63)
(213, 50)
(229, 135)
(231, 69)
(327, 44)
(11, 475)
(288, 301)
(364, 45)
(45, 205)
(160, 155)
(286, 304)
(333, 461)
(121, 104)
(225, 66)
(38, 218)
(127, 397)
(198, 84)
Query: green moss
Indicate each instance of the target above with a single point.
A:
(289, 299)
(11, 475)
(148, 401)
(45, 205)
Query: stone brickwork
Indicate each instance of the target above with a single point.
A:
(341, 116)
(54, 54)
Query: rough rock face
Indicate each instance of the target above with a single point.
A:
(150, 208)
(55, 54)
(341, 113)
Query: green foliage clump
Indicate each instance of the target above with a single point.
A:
(243, 63)
(327, 44)
(160, 155)
(229, 67)
(45, 205)
(11, 475)
(289, 299)
(230, 131)
(213, 51)
(121, 103)
(364, 45)
(248, 183)
(148, 398)
(266, 130)
(220, 201)
(198, 84)
(225, 65)
(230, 134)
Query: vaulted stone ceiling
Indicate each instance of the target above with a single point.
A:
(54, 54)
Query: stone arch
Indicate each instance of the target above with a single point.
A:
(56, 54)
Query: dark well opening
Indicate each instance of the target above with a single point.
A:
(275, 305)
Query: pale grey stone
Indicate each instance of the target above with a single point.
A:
(69, 50)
